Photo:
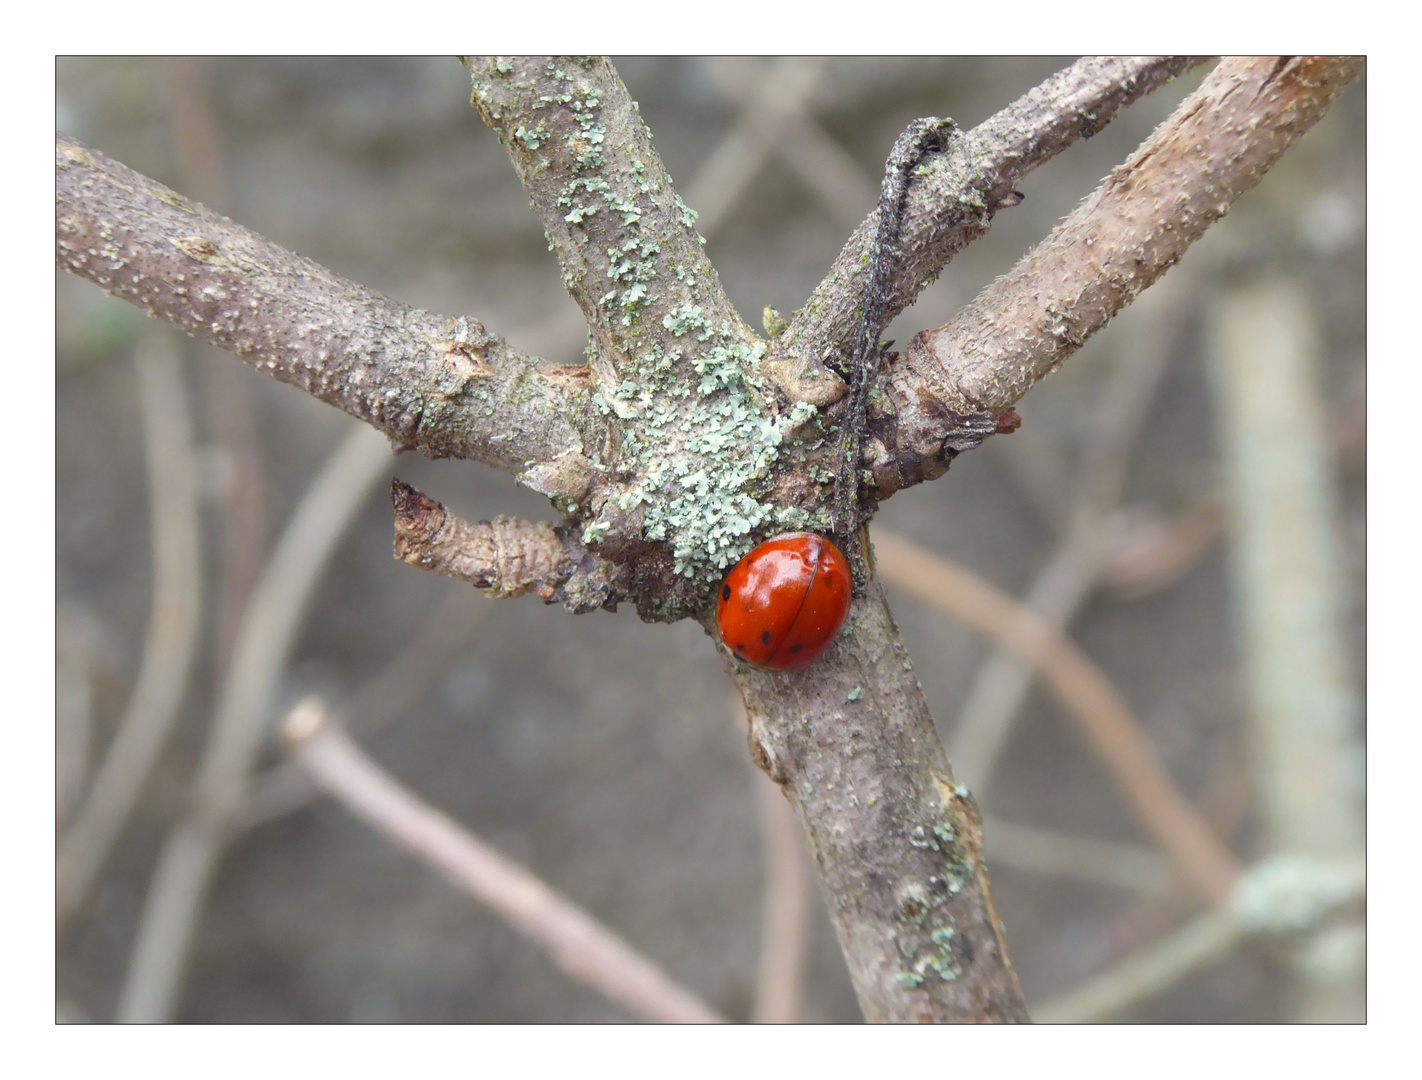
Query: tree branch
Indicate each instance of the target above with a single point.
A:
(506, 556)
(626, 241)
(1104, 717)
(953, 203)
(443, 386)
(1134, 227)
(898, 841)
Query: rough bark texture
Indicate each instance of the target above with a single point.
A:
(1134, 227)
(506, 557)
(952, 204)
(440, 385)
(671, 456)
(898, 841)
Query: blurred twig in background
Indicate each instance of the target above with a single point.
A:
(1088, 695)
(443, 634)
(784, 927)
(1281, 896)
(580, 945)
(172, 629)
(235, 455)
(242, 722)
(1303, 713)
(1070, 574)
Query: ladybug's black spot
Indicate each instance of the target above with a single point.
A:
(825, 581)
(725, 593)
(765, 637)
(740, 648)
(796, 648)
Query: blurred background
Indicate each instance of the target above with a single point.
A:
(1186, 498)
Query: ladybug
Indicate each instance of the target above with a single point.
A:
(784, 602)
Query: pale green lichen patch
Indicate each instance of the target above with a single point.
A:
(701, 499)
(690, 439)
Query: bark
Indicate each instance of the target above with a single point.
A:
(953, 203)
(672, 454)
(505, 557)
(441, 385)
(897, 839)
(1134, 227)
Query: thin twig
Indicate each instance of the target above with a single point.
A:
(1101, 862)
(1130, 230)
(1070, 574)
(1305, 718)
(1146, 973)
(1278, 896)
(581, 946)
(172, 629)
(955, 202)
(1088, 695)
(784, 926)
(442, 636)
(775, 120)
(242, 723)
(242, 495)
(73, 723)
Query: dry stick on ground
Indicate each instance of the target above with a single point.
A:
(122, 230)
(580, 945)
(1065, 582)
(1105, 718)
(241, 724)
(172, 629)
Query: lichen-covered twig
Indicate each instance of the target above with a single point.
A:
(1282, 896)
(897, 840)
(1305, 718)
(172, 629)
(582, 947)
(443, 386)
(1217, 145)
(626, 241)
(1105, 718)
(954, 204)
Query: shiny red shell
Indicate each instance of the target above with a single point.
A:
(784, 602)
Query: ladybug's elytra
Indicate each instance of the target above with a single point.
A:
(784, 602)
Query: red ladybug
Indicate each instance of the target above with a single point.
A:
(784, 602)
